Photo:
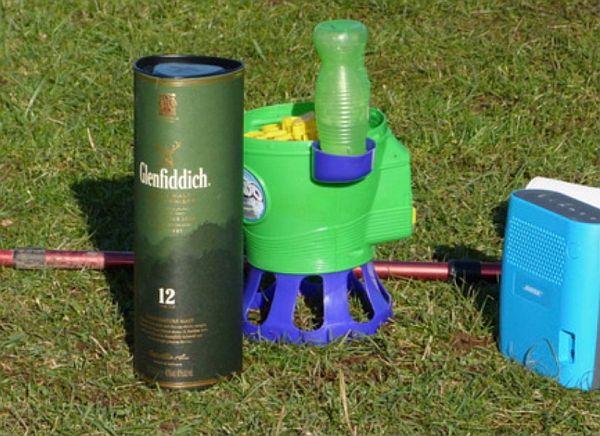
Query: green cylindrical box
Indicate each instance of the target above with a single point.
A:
(188, 215)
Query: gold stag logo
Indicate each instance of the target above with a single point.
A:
(167, 154)
(167, 105)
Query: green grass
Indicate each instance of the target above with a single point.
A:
(485, 94)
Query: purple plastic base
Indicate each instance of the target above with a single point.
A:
(334, 168)
(275, 300)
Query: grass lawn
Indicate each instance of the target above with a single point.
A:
(485, 94)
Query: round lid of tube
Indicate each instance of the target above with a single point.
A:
(185, 66)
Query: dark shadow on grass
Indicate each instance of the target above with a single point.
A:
(108, 207)
(499, 214)
(486, 294)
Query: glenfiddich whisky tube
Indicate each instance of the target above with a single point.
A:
(188, 216)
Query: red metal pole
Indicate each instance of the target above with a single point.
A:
(99, 260)
(415, 270)
(65, 259)
(88, 259)
(6, 258)
(491, 269)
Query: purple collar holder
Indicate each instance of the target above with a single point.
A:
(334, 168)
(328, 294)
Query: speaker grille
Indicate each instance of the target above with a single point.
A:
(535, 250)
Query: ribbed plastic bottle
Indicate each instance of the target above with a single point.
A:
(342, 88)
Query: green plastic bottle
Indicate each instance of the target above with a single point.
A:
(343, 88)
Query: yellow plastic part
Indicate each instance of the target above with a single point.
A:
(272, 134)
(291, 128)
(414, 216)
(286, 123)
(270, 127)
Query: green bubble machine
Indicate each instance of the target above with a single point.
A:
(313, 210)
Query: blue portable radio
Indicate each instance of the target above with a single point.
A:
(550, 289)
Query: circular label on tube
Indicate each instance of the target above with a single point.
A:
(254, 198)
